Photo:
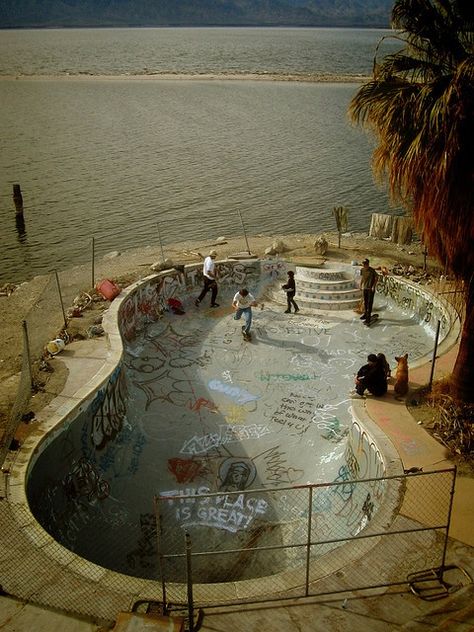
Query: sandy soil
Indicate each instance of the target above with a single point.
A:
(129, 266)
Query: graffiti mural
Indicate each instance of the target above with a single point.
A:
(84, 479)
(236, 474)
(109, 408)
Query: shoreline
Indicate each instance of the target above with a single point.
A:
(198, 76)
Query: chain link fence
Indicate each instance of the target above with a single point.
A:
(239, 547)
(453, 291)
(36, 569)
(42, 322)
(263, 545)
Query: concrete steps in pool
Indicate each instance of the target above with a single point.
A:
(326, 287)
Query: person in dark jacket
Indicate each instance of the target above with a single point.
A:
(371, 377)
(368, 281)
(290, 289)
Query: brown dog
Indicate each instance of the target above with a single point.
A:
(401, 375)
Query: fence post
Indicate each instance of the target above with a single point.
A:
(161, 243)
(93, 261)
(61, 299)
(308, 545)
(189, 580)
(434, 355)
(245, 234)
(26, 348)
(445, 546)
(160, 555)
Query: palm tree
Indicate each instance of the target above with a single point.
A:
(420, 105)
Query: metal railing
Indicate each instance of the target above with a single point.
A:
(240, 547)
(305, 541)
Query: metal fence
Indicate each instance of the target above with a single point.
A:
(253, 546)
(265, 545)
(38, 570)
(40, 323)
(454, 292)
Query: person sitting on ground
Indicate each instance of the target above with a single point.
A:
(384, 364)
(242, 303)
(371, 377)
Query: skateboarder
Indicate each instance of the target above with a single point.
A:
(242, 303)
(210, 283)
(368, 281)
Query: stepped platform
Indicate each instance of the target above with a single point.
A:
(325, 287)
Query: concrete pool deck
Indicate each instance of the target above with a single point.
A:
(361, 613)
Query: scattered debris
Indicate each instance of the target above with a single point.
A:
(8, 288)
(55, 346)
(321, 246)
(45, 366)
(94, 331)
(167, 264)
(111, 255)
(176, 306)
(413, 470)
(108, 289)
(79, 304)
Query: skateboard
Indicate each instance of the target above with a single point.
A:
(373, 318)
(246, 337)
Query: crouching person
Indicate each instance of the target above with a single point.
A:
(371, 377)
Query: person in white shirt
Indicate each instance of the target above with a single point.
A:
(210, 283)
(243, 303)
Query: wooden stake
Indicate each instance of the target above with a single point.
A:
(18, 199)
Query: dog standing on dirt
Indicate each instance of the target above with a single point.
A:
(401, 375)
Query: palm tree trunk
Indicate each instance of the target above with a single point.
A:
(463, 372)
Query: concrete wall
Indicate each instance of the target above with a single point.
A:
(418, 301)
(68, 472)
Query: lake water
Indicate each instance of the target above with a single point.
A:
(101, 152)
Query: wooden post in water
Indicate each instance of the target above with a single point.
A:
(18, 199)
(19, 218)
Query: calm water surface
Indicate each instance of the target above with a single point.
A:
(112, 156)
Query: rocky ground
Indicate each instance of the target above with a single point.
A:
(16, 302)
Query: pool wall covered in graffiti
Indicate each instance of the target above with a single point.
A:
(419, 302)
(82, 482)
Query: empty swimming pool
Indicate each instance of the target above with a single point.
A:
(193, 409)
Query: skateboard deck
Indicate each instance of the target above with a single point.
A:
(373, 318)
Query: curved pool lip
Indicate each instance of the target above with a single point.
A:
(123, 590)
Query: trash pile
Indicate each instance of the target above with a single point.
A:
(7, 288)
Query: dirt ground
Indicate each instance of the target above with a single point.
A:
(124, 268)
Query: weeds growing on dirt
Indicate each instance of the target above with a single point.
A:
(452, 420)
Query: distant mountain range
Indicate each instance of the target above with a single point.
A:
(83, 13)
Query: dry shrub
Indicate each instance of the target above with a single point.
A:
(453, 419)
